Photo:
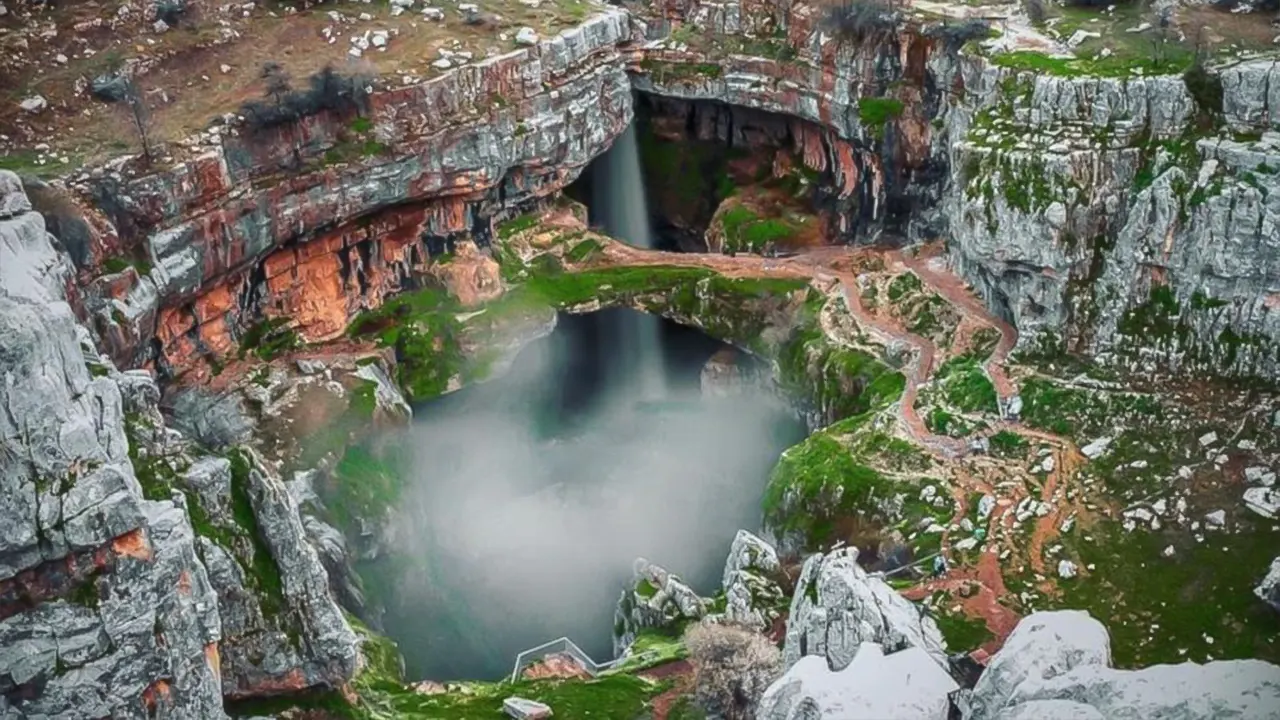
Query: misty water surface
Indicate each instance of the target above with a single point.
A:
(530, 497)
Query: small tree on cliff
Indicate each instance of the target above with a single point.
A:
(732, 668)
(139, 115)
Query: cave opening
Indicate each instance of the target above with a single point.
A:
(528, 498)
(724, 178)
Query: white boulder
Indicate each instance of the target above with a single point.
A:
(1056, 666)
(1269, 589)
(526, 36)
(837, 607)
(906, 685)
(34, 104)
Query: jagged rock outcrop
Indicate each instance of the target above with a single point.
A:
(752, 596)
(138, 576)
(105, 608)
(1098, 217)
(230, 244)
(656, 599)
(837, 607)
(1056, 665)
(905, 685)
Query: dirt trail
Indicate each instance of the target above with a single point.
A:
(980, 588)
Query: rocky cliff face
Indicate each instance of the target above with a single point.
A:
(1106, 216)
(139, 576)
(317, 220)
(1098, 212)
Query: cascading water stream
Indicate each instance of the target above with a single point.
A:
(619, 198)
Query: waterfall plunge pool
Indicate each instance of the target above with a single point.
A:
(528, 498)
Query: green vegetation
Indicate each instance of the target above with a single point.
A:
(1075, 412)
(681, 72)
(822, 477)
(117, 264)
(645, 589)
(262, 573)
(364, 487)
(876, 113)
(966, 387)
(364, 399)
(1201, 598)
(583, 251)
(745, 231)
(424, 330)
(269, 338)
(961, 632)
(1008, 445)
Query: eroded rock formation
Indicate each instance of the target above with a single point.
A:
(140, 575)
(837, 607)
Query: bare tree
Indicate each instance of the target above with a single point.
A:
(732, 668)
(135, 99)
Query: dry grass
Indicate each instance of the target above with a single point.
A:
(185, 83)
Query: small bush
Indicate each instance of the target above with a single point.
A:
(1035, 10)
(955, 35)
(1205, 88)
(732, 668)
(327, 90)
(860, 20)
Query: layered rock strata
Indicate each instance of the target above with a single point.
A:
(139, 576)
(284, 224)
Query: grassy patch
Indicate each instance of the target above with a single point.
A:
(1047, 405)
(1008, 445)
(269, 338)
(820, 481)
(961, 632)
(966, 386)
(1196, 605)
(876, 113)
(364, 487)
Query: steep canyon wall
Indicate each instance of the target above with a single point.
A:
(1087, 210)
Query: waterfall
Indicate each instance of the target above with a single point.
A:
(618, 197)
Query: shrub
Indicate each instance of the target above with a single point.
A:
(1205, 87)
(1035, 10)
(955, 35)
(732, 668)
(860, 20)
(327, 90)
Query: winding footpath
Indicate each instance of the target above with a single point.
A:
(980, 588)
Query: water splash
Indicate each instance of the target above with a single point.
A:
(619, 199)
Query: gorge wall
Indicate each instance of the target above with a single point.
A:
(1089, 211)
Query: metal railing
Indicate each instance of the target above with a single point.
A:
(565, 646)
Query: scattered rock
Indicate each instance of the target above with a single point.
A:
(1260, 476)
(525, 709)
(34, 104)
(837, 606)
(1095, 449)
(1208, 439)
(1264, 501)
(432, 13)
(1216, 519)
(1066, 569)
(1057, 665)
(470, 13)
(526, 36)
(1269, 589)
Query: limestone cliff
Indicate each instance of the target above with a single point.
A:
(317, 220)
(139, 576)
